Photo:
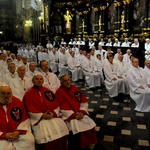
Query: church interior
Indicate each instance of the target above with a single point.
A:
(118, 125)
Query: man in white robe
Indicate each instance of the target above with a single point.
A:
(13, 57)
(32, 70)
(109, 42)
(19, 60)
(79, 56)
(25, 62)
(98, 65)
(91, 76)
(122, 69)
(135, 44)
(117, 43)
(101, 42)
(100, 51)
(49, 45)
(3, 62)
(21, 83)
(126, 57)
(117, 54)
(91, 43)
(74, 67)
(139, 86)
(63, 66)
(147, 69)
(40, 55)
(54, 60)
(147, 49)
(114, 83)
(126, 43)
(50, 79)
(32, 54)
(11, 74)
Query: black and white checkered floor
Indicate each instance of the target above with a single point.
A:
(119, 126)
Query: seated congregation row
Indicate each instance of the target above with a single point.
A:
(59, 121)
(80, 64)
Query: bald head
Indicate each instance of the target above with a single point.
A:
(21, 71)
(37, 80)
(5, 94)
(65, 81)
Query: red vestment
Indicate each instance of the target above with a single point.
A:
(12, 117)
(47, 132)
(71, 102)
(40, 100)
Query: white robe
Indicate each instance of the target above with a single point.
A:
(32, 56)
(19, 87)
(30, 74)
(54, 62)
(109, 44)
(122, 69)
(92, 78)
(47, 130)
(147, 70)
(147, 46)
(24, 142)
(98, 68)
(135, 45)
(8, 77)
(51, 81)
(116, 44)
(126, 58)
(77, 73)
(101, 43)
(125, 44)
(116, 56)
(91, 43)
(114, 87)
(62, 62)
(40, 56)
(135, 78)
(101, 52)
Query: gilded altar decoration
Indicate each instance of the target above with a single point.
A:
(122, 20)
(68, 21)
(99, 22)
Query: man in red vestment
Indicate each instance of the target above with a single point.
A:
(48, 128)
(15, 131)
(74, 105)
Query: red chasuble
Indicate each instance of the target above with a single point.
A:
(40, 100)
(11, 119)
(70, 99)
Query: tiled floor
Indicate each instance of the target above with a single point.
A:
(119, 127)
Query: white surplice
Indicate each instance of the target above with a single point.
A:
(137, 77)
(114, 87)
(74, 67)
